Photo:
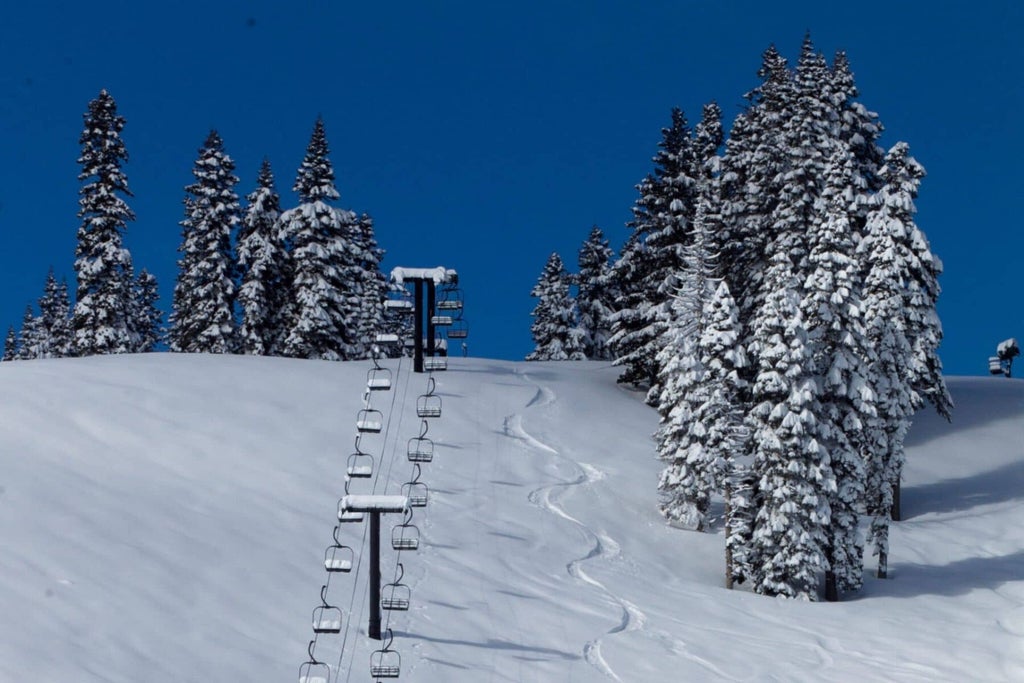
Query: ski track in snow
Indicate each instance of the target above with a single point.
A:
(604, 547)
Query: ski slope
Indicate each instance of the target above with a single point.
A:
(164, 518)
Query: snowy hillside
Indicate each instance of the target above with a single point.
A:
(165, 517)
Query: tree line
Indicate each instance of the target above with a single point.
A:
(304, 282)
(776, 299)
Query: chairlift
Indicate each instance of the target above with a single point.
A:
(378, 378)
(314, 671)
(360, 464)
(451, 299)
(441, 320)
(428, 405)
(345, 515)
(385, 662)
(458, 330)
(405, 536)
(438, 364)
(995, 365)
(326, 618)
(338, 557)
(420, 448)
(370, 421)
(385, 338)
(416, 492)
(396, 596)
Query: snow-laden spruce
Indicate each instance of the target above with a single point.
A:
(103, 265)
(596, 295)
(323, 302)
(556, 334)
(203, 320)
(262, 264)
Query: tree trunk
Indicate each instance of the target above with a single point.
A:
(895, 511)
(728, 525)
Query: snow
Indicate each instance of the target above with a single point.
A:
(165, 516)
(439, 275)
(364, 503)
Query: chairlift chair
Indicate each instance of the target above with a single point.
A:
(385, 338)
(428, 405)
(451, 299)
(458, 330)
(396, 596)
(378, 378)
(314, 671)
(421, 449)
(405, 536)
(441, 320)
(348, 516)
(326, 618)
(417, 493)
(360, 465)
(339, 557)
(370, 421)
(435, 364)
(385, 662)
(995, 366)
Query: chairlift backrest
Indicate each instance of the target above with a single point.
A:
(313, 671)
(385, 662)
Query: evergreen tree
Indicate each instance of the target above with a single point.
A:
(884, 247)
(322, 300)
(596, 295)
(147, 316)
(203, 320)
(840, 356)
(11, 344)
(790, 458)
(55, 312)
(32, 340)
(262, 261)
(102, 263)
(556, 335)
(661, 221)
(367, 309)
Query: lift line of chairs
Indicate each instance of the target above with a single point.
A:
(339, 558)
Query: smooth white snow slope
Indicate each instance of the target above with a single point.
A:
(164, 518)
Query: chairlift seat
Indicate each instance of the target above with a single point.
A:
(385, 662)
(326, 619)
(449, 305)
(349, 516)
(441, 320)
(338, 559)
(314, 672)
(995, 365)
(370, 421)
(360, 471)
(435, 364)
(428, 405)
(421, 449)
(399, 305)
(384, 338)
(458, 333)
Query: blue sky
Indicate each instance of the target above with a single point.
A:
(484, 136)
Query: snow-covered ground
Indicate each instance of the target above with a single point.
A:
(164, 518)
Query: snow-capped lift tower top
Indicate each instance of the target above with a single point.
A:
(428, 279)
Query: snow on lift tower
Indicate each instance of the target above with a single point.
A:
(1002, 362)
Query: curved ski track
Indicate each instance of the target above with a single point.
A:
(604, 547)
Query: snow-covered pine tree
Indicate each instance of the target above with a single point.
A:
(322, 304)
(262, 265)
(596, 295)
(839, 355)
(661, 222)
(11, 344)
(32, 339)
(202, 319)
(102, 263)
(55, 315)
(556, 335)
(884, 254)
(367, 311)
(147, 315)
(754, 164)
(860, 129)
(791, 461)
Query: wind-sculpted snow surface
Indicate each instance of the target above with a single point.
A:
(165, 517)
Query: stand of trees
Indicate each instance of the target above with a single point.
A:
(776, 300)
